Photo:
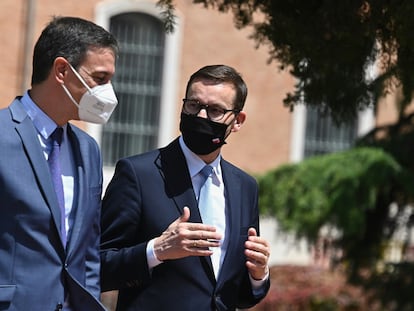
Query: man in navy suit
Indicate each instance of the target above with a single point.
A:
(50, 213)
(164, 246)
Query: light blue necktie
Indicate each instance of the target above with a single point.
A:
(212, 211)
(205, 172)
(56, 173)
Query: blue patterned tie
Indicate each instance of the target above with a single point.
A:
(56, 173)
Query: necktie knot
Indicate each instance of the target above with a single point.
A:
(205, 173)
(57, 136)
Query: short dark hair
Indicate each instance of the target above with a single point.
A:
(71, 38)
(219, 74)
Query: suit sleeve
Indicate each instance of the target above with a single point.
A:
(123, 255)
(247, 296)
(92, 256)
(93, 261)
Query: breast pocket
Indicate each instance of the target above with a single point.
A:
(6, 295)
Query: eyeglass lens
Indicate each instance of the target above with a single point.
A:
(194, 107)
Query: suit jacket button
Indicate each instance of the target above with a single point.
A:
(59, 306)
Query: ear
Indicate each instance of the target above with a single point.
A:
(238, 122)
(60, 69)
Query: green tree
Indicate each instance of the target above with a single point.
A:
(349, 191)
(352, 192)
(329, 45)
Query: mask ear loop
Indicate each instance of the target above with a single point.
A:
(70, 95)
(66, 89)
(80, 78)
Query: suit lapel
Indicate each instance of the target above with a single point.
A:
(233, 195)
(173, 169)
(30, 141)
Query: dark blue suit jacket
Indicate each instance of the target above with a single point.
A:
(35, 269)
(146, 194)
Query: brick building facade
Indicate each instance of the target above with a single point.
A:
(271, 135)
(201, 37)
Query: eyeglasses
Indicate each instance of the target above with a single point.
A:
(214, 113)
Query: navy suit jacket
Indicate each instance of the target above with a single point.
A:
(35, 269)
(146, 194)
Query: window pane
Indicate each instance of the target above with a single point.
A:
(133, 127)
(324, 136)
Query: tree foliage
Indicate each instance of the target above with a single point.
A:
(350, 191)
(329, 47)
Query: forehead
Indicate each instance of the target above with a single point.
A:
(99, 60)
(208, 91)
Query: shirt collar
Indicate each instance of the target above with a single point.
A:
(42, 122)
(195, 164)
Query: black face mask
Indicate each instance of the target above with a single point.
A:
(202, 136)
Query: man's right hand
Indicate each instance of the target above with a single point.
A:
(183, 239)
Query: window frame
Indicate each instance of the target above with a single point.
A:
(365, 122)
(171, 61)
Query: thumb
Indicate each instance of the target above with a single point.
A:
(185, 215)
(252, 232)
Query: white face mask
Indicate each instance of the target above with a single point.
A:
(97, 104)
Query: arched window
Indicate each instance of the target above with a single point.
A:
(145, 81)
(133, 127)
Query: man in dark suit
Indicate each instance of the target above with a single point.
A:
(51, 172)
(172, 241)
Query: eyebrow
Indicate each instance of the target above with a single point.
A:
(104, 72)
(212, 104)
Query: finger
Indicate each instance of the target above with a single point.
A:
(254, 238)
(198, 227)
(207, 235)
(202, 245)
(260, 257)
(255, 241)
(257, 264)
(204, 252)
(261, 246)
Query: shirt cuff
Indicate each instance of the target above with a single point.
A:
(152, 259)
(257, 285)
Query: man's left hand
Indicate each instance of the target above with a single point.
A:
(257, 251)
